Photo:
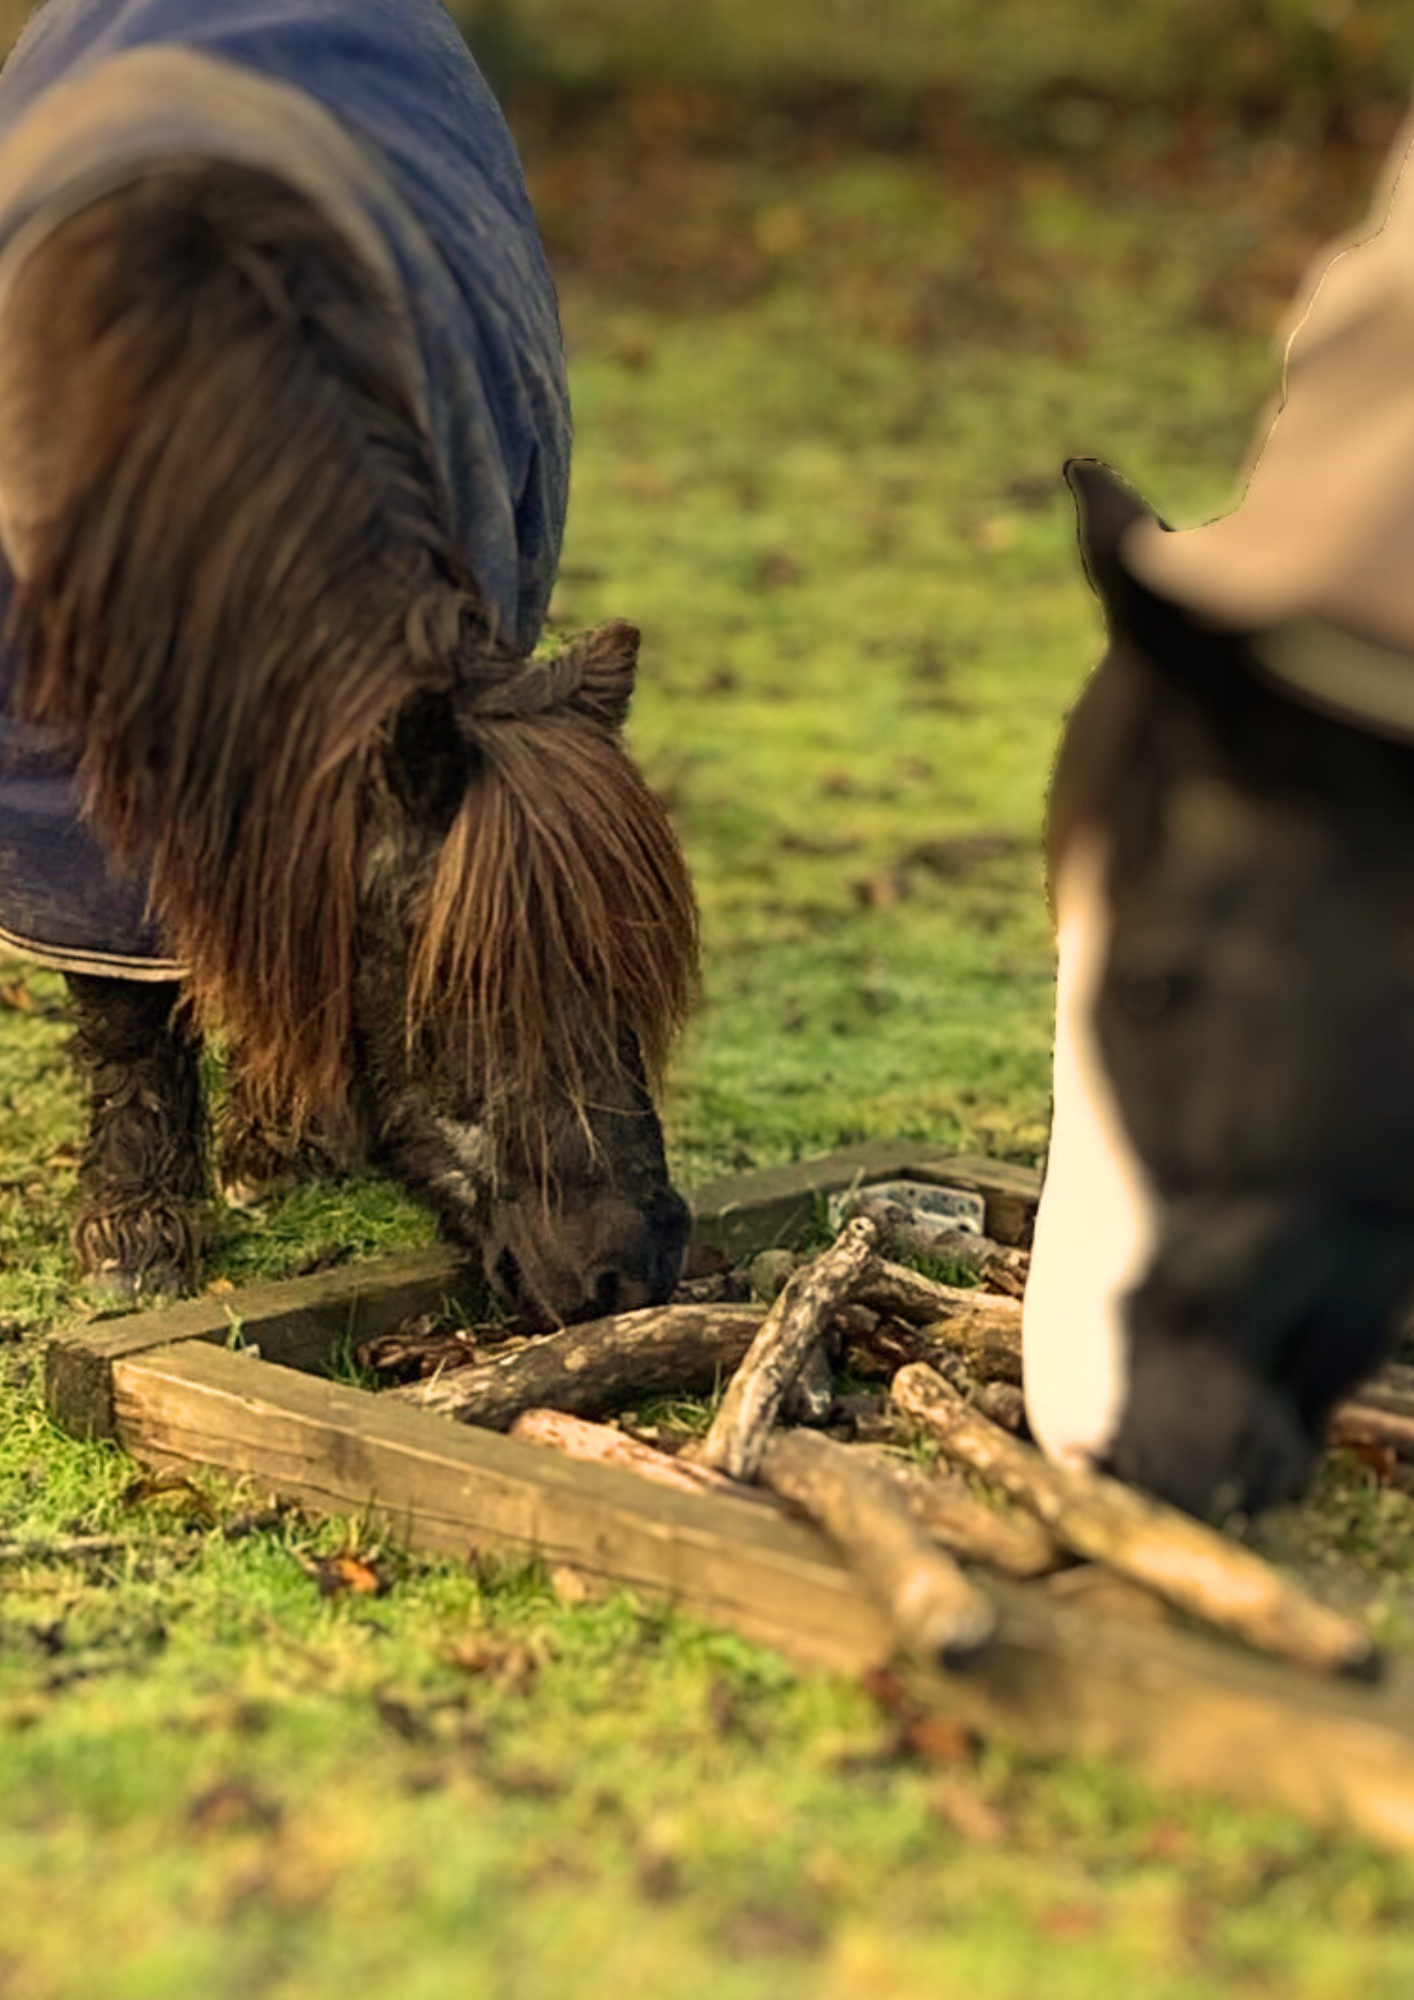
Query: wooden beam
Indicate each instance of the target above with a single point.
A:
(299, 1322)
(751, 1212)
(453, 1490)
(1186, 1712)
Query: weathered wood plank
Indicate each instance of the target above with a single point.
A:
(299, 1322)
(1011, 1192)
(453, 1490)
(751, 1212)
(1185, 1712)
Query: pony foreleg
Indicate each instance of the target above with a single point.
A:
(258, 1152)
(142, 1177)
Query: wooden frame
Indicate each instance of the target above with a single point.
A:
(227, 1383)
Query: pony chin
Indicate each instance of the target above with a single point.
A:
(1097, 1223)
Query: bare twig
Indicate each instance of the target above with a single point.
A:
(1015, 1543)
(1362, 1423)
(1155, 1545)
(790, 1331)
(936, 1612)
(925, 1319)
(811, 1397)
(599, 1444)
(982, 1326)
(1381, 1414)
(905, 1294)
(597, 1368)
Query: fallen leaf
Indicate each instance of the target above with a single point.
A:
(256, 1521)
(328, 1257)
(233, 1806)
(1166, 1840)
(962, 1808)
(939, 1739)
(1068, 1920)
(1383, 1460)
(358, 1576)
(508, 1664)
(961, 855)
(780, 569)
(402, 1719)
(880, 892)
(826, 846)
(574, 1586)
(170, 1486)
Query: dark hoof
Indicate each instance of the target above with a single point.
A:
(114, 1286)
(254, 1164)
(137, 1254)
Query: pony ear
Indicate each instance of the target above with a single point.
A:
(429, 762)
(1104, 508)
(604, 663)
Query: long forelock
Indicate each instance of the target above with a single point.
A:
(558, 932)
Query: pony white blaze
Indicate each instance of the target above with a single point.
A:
(1096, 1225)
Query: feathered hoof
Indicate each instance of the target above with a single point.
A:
(259, 1157)
(113, 1285)
(254, 1164)
(131, 1255)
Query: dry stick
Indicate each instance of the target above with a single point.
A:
(811, 1397)
(981, 1329)
(596, 1368)
(1382, 1413)
(1369, 1424)
(600, 1445)
(1016, 1544)
(790, 1331)
(936, 1612)
(905, 1294)
(981, 1326)
(1097, 1517)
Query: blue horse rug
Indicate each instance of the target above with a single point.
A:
(375, 111)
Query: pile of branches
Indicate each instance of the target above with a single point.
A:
(944, 1365)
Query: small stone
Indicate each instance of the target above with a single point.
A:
(769, 1271)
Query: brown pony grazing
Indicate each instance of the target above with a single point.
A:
(411, 873)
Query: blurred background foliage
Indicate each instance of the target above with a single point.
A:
(1013, 58)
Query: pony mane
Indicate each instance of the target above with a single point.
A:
(559, 926)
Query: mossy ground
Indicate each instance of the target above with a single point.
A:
(822, 400)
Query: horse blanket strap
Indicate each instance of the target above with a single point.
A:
(375, 111)
(1316, 562)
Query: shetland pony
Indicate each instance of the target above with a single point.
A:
(410, 872)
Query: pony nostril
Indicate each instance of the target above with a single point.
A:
(506, 1277)
(607, 1296)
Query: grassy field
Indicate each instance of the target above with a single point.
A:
(823, 394)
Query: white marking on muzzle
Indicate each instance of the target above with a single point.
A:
(1096, 1225)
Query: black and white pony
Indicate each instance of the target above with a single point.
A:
(1225, 1243)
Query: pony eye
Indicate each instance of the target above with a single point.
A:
(1147, 996)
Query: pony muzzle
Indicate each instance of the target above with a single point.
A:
(558, 1263)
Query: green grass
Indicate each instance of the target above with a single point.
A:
(821, 414)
